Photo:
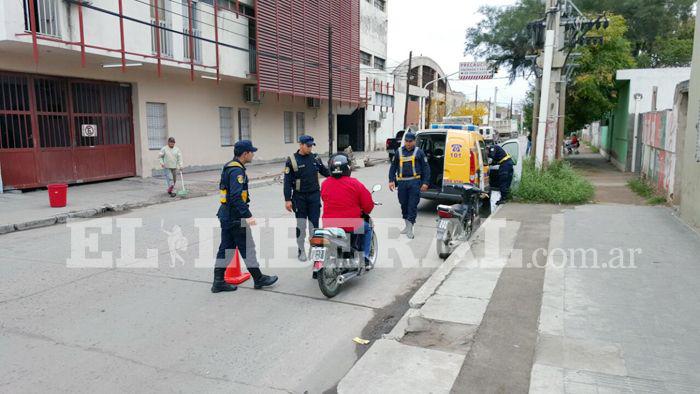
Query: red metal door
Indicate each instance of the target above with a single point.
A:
(41, 138)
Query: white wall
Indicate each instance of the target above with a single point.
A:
(643, 81)
(102, 30)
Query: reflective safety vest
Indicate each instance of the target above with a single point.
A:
(223, 185)
(504, 159)
(406, 159)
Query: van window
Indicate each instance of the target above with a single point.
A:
(484, 152)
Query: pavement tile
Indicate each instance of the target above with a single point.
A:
(471, 283)
(455, 309)
(390, 367)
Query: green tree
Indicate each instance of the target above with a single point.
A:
(592, 92)
(502, 37)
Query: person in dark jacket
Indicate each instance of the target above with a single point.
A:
(505, 164)
(235, 218)
(302, 191)
(411, 170)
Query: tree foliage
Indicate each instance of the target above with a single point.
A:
(591, 94)
(478, 114)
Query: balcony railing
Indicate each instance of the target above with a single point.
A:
(166, 39)
(45, 17)
(197, 45)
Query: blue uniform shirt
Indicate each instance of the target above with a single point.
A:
(235, 200)
(422, 168)
(305, 179)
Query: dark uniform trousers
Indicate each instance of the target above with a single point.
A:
(505, 177)
(241, 238)
(307, 207)
(409, 196)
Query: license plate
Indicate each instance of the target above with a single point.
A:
(318, 254)
(442, 225)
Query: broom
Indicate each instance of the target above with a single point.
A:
(182, 192)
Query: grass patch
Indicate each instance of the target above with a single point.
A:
(593, 149)
(646, 190)
(657, 200)
(641, 187)
(557, 184)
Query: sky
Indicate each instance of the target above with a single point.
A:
(436, 28)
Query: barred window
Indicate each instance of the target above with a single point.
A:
(365, 58)
(244, 127)
(288, 127)
(226, 126)
(379, 63)
(157, 123)
(301, 124)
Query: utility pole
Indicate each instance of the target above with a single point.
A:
(552, 63)
(476, 105)
(331, 122)
(495, 104)
(408, 86)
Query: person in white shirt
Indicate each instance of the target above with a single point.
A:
(170, 162)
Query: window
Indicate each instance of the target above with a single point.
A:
(244, 131)
(226, 126)
(45, 17)
(301, 124)
(381, 4)
(365, 58)
(157, 123)
(379, 63)
(383, 100)
(288, 127)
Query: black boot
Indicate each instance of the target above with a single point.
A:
(260, 280)
(220, 284)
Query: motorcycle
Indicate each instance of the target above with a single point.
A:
(457, 222)
(570, 148)
(336, 260)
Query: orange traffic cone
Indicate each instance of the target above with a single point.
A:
(233, 273)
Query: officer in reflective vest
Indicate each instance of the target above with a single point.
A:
(500, 157)
(411, 170)
(235, 218)
(302, 193)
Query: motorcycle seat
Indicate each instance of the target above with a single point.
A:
(333, 232)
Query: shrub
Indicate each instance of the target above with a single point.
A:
(559, 183)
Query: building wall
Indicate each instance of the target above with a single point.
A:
(379, 122)
(690, 184)
(658, 133)
(620, 130)
(102, 30)
(643, 81)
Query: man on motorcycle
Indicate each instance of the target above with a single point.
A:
(345, 201)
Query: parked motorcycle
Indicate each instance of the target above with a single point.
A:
(457, 222)
(336, 259)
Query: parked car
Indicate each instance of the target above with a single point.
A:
(392, 144)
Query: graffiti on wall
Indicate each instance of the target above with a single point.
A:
(659, 130)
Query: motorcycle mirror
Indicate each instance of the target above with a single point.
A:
(376, 188)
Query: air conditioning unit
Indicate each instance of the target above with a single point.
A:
(250, 94)
(313, 102)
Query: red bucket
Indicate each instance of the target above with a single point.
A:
(57, 195)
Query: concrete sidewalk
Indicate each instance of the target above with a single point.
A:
(474, 318)
(22, 211)
(619, 311)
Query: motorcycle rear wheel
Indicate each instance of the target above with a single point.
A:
(328, 281)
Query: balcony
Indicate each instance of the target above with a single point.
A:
(57, 24)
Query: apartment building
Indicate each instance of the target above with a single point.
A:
(90, 90)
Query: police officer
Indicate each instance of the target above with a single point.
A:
(410, 168)
(235, 218)
(505, 163)
(302, 193)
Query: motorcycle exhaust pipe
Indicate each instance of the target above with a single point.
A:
(345, 277)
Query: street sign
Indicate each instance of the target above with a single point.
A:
(475, 70)
(89, 130)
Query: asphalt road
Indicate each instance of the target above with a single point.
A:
(123, 327)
